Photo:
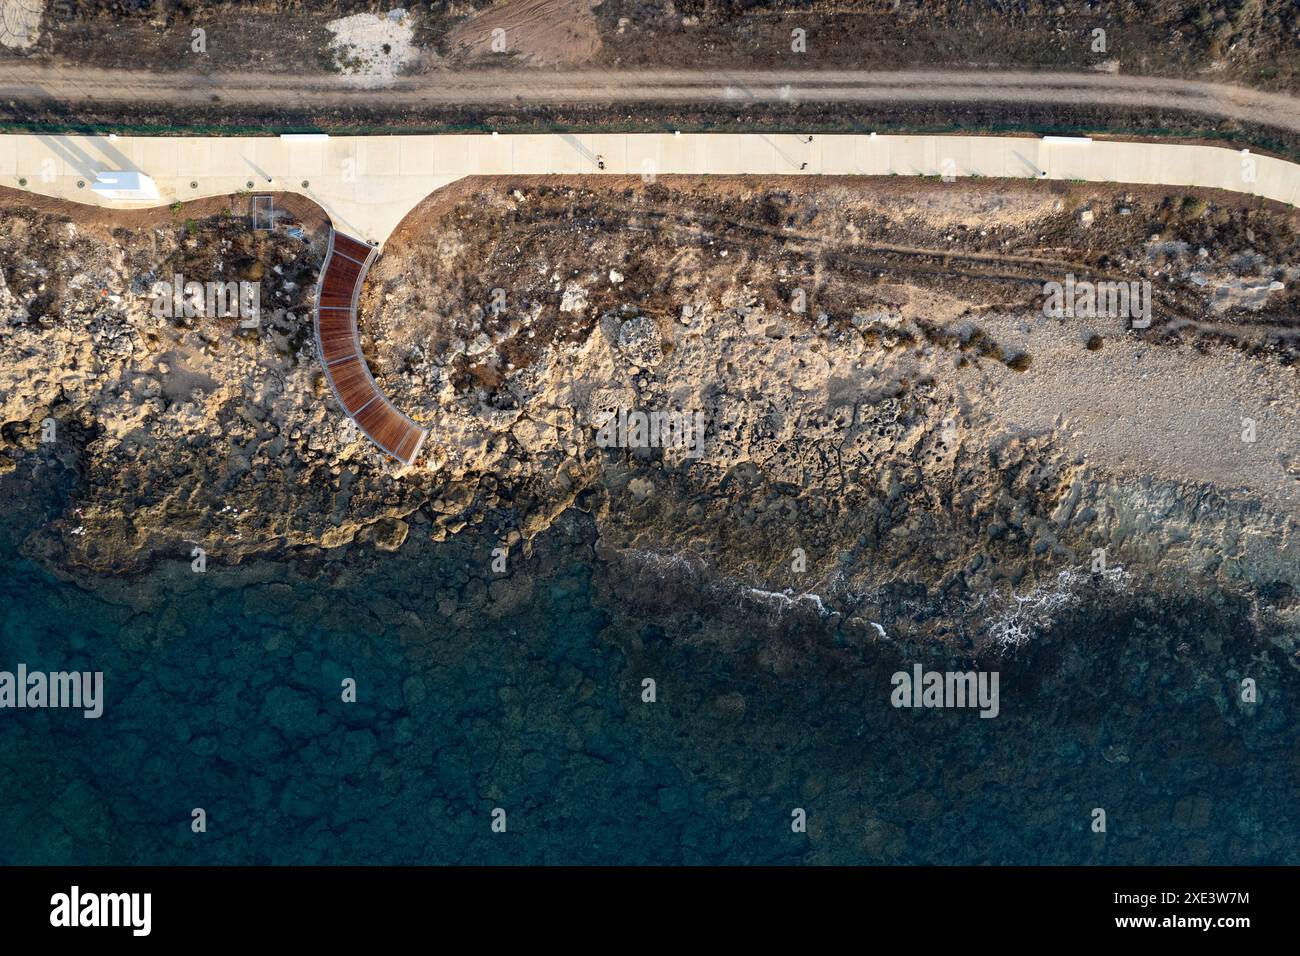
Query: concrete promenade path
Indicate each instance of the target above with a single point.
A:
(367, 184)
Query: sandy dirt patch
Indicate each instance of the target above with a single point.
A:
(1139, 409)
(372, 48)
(537, 32)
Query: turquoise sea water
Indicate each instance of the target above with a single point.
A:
(223, 692)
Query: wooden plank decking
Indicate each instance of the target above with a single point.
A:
(338, 342)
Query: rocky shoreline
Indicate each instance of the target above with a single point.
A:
(915, 457)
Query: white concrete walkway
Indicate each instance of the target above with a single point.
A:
(368, 184)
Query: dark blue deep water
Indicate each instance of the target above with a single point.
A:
(223, 691)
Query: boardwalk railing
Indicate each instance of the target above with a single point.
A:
(338, 342)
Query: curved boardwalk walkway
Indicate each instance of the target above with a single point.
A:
(338, 340)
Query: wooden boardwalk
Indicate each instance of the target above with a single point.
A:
(338, 341)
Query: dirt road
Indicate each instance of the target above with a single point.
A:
(38, 85)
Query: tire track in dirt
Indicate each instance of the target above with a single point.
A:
(43, 83)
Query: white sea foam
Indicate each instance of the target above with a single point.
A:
(787, 599)
(1020, 618)
(661, 561)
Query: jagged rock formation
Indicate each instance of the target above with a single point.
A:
(898, 444)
